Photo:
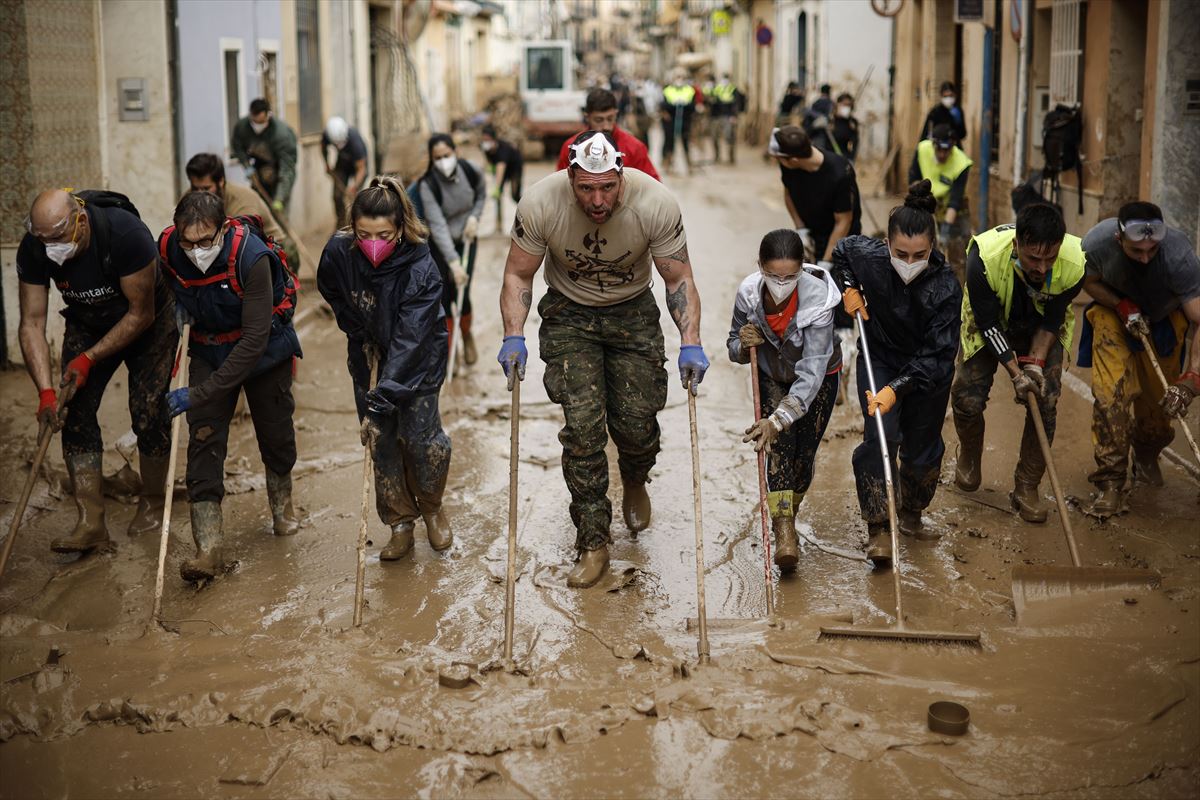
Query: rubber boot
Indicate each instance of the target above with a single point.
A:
(207, 532)
(787, 546)
(1145, 469)
(1028, 502)
(635, 506)
(90, 531)
(968, 471)
(400, 543)
(437, 528)
(279, 498)
(148, 516)
(1109, 501)
(913, 524)
(879, 545)
(470, 354)
(590, 568)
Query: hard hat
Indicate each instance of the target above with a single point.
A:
(596, 155)
(337, 131)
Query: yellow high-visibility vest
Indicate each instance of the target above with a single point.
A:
(680, 95)
(942, 176)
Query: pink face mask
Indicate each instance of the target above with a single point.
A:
(376, 250)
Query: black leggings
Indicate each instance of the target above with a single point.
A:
(449, 290)
(793, 454)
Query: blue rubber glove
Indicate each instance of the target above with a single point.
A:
(178, 401)
(692, 365)
(513, 352)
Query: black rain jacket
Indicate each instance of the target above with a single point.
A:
(396, 309)
(912, 328)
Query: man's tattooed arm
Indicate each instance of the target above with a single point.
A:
(683, 302)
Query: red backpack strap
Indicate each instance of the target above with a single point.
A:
(235, 254)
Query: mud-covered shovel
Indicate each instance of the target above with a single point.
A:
(1034, 585)
(44, 436)
(360, 574)
(510, 577)
(181, 374)
(701, 614)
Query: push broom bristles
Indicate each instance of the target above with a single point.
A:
(953, 637)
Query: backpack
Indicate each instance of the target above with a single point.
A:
(414, 188)
(102, 198)
(1062, 134)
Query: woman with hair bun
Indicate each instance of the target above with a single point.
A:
(785, 309)
(386, 293)
(912, 300)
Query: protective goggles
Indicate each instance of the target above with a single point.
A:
(60, 227)
(944, 144)
(1139, 230)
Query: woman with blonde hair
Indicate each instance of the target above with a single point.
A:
(385, 291)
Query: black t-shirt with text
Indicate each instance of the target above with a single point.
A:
(348, 156)
(818, 195)
(94, 299)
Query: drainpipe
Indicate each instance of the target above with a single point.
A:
(176, 90)
(985, 138)
(1018, 174)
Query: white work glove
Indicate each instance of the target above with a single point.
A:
(471, 229)
(458, 273)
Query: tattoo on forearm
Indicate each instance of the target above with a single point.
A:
(680, 255)
(677, 305)
(527, 298)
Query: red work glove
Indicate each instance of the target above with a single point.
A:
(1131, 317)
(47, 412)
(1180, 395)
(75, 375)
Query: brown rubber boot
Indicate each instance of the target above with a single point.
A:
(437, 528)
(787, 546)
(635, 506)
(1028, 502)
(879, 545)
(470, 354)
(90, 531)
(913, 524)
(591, 567)
(1109, 502)
(400, 543)
(1145, 469)
(207, 532)
(968, 470)
(148, 517)
(279, 498)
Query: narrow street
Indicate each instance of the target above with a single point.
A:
(264, 688)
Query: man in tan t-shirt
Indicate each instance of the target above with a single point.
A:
(599, 227)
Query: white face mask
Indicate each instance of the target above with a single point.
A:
(203, 257)
(908, 272)
(845, 111)
(59, 252)
(259, 127)
(446, 165)
(779, 288)
(948, 101)
(487, 147)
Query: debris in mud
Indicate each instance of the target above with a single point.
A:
(977, 533)
(249, 769)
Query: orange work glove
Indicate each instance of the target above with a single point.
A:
(852, 300)
(884, 401)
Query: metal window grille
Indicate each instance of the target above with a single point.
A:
(308, 61)
(1066, 51)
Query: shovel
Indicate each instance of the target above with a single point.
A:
(1032, 585)
(510, 575)
(1187, 432)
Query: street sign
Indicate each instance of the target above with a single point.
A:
(763, 35)
(721, 22)
(887, 8)
(968, 11)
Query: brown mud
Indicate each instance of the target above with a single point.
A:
(262, 688)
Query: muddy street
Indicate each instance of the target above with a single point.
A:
(263, 688)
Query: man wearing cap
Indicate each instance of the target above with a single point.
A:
(600, 114)
(1144, 279)
(599, 226)
(946, 166)
(349, 168)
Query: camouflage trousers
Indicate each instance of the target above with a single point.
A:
(604, 366)
(973, 383)
(1127, 392)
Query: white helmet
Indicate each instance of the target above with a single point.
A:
(596, 155)
(337, 131)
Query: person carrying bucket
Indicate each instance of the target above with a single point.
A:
(783, 314)
(386, 294)
(906, 291)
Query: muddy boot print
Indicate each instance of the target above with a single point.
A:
(279, 496)
(90, 531)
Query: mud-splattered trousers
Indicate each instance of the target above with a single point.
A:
(604, 366)
(914, 437)
(149, 359)
(1127, 392)
(973, 383)
(412, 454)
(793, 455)
(269, 398)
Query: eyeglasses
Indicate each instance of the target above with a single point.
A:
(203, 244)
(1139, 230)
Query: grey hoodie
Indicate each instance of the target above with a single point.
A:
(806, 353)
(459, 201)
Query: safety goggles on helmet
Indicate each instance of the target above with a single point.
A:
(1139, 230)
(596, 155)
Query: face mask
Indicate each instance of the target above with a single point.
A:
(948, 101)
(487, 147)
(59, 252)
(376, 250)
(447, 165)
(259, 127)
(203, 257)
(908, 272)
(779, 288)
(845, 111)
